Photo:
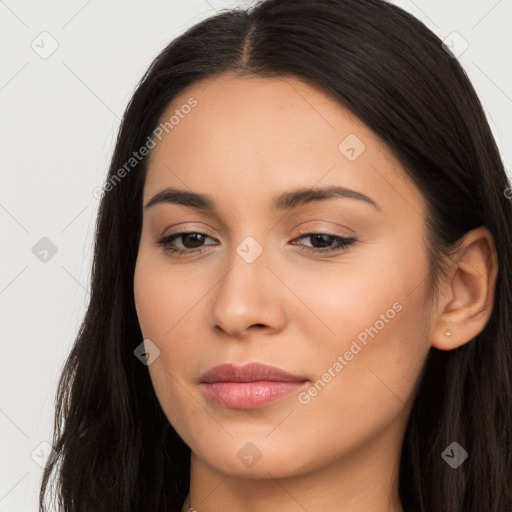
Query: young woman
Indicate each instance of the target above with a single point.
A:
(301, 287)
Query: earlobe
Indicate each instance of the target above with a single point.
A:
(467, 298)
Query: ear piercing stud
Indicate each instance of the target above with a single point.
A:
(448, 333)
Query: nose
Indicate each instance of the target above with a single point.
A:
(248, 296)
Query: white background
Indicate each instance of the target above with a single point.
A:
(59, 119)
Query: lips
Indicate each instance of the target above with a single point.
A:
(251, 386)
(251, 372)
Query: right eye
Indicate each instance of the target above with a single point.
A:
(193, 238)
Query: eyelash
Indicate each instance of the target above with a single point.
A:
(342, 243)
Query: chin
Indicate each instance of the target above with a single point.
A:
(250, 457)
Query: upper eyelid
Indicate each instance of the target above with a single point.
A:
(328, 231)
(178, 234)
(301, 232)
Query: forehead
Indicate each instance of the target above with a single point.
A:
(247, 136)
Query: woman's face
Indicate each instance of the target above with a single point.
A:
(352, 324)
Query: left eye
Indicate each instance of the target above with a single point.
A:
(340, 242)
(196, 238)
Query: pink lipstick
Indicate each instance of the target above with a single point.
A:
(251, 386)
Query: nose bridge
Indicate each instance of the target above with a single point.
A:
(245, 295)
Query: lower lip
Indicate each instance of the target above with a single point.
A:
(248, 395)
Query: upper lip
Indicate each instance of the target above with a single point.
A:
(250, 372)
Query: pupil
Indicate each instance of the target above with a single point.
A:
(197, 236)
(325, 238)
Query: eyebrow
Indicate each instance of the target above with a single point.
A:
(284, 201)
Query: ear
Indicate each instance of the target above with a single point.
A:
(466, 298)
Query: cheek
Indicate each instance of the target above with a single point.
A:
(365, 376)
(161, 299)
(374, 317)
(146, 294)
(339, 301)
(164, 306)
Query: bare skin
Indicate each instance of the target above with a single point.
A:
(247, 140)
